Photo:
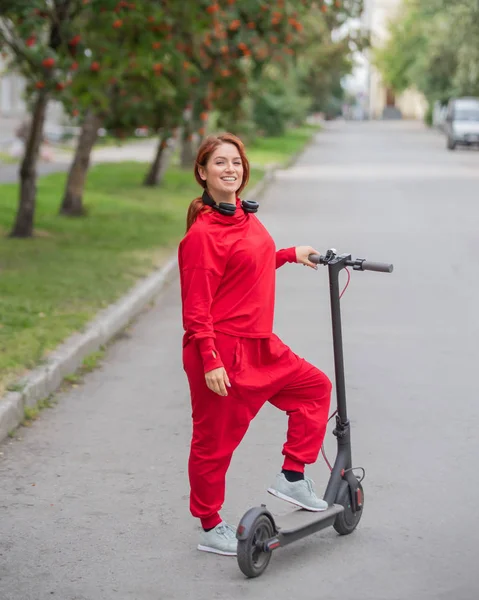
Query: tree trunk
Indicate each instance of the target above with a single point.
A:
(158, 166)
(187, 155)
(72, 204)
(28, 171)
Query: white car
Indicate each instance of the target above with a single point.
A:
(462, 122)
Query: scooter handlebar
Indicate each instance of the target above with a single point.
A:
(358, 264)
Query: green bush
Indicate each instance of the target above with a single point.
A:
(277, 104)
(428, 116)
(269, 114)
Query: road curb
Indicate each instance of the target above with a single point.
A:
(68, 357)
(46, 379)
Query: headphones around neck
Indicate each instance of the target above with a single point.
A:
(225, 208)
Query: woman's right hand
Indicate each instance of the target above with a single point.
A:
(217, 381)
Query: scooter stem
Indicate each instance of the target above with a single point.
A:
(334, 268)
(342, 431)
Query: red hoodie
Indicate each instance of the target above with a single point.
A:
(227, 275)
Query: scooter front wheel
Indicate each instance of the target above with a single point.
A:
(347, 521)
(252, 559)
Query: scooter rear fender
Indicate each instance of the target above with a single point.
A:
(246, 524)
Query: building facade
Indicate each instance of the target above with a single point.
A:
(12, 105)
(14, 110)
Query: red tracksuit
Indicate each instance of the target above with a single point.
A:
(227, 273)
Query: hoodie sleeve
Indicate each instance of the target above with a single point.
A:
(202, 261)
(284, 256)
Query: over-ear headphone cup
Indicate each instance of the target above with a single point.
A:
(250, 206)
(226, 209)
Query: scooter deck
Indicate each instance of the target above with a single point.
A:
(299, 519)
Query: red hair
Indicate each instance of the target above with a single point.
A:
(205, 151)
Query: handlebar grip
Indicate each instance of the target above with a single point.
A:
(368, 265)
(315, 258)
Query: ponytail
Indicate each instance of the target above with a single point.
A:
(193, 211)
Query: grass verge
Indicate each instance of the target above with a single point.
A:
(279, 150)
(53, 284)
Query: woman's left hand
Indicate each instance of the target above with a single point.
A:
(302, 253)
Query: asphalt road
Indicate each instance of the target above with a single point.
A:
(93, 497)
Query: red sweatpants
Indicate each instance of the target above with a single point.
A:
(259, 370)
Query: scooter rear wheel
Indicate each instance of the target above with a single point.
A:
(347, 521)
(252, 559)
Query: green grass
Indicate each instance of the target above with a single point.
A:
(30, 413)
(53, 284)
(89, 364)
(280, 149)
(92, 361)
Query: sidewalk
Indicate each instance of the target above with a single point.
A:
(141, 151)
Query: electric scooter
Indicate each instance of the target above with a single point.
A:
(258, 532)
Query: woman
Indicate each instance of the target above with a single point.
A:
(233, 361)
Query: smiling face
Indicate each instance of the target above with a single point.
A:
(223, 173)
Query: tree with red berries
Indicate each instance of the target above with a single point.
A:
(32, 32)
(126, 45)
(42, 42)
(144, 84)
(221, 68)
(245, 38)
(83, 53)
(249, 61)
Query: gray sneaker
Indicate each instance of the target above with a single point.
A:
(300, 493)
(220, 540)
